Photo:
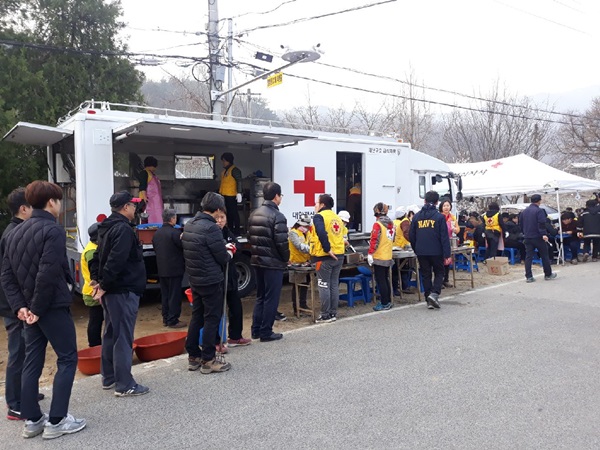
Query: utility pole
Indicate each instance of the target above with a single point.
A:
(217, 71)
(230, 96)
(249, 94)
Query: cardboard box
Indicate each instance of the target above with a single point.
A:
(497, 265)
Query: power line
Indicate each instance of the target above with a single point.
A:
(264, 12)
(542, 18)
(305, 19)
(568, 6)
(421, 86)
(162, 30)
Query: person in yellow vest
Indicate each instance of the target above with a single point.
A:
(380, 254)
(299, 256)
(96, 316)
(231, 190)
(327, 252)
(401, 229)
(494, 230)
(345, 216)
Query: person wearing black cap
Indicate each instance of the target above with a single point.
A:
(151, 190)
(119, 278)
(96, 316)
(230, 189)
(533, 223)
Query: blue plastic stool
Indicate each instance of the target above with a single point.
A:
(463, 263)
(512, 255)
(222, 331)
(366, 278)
(353, 294)
(481, 253)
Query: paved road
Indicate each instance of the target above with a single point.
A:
(512, 366)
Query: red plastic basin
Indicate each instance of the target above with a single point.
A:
(88, 359)
(160, 346)
(188, 293)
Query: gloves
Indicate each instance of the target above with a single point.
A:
(238, 197)
(231, 249)
(506, 234)
(370, 259)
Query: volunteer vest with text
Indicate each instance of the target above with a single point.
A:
(493, 223)
(85, 269)
(386, 241)
(296, 256)
(400, 240)
(228, 183)
(334, 228)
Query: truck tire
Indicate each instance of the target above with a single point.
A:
(246, 275)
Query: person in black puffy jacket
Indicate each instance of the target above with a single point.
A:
(36, 279)
(429, 239)
(268, 231)
(206, 256)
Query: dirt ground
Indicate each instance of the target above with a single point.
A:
(150, 321)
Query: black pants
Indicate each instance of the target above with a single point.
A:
(383, 283)
(120, 314)
(55, 326)
(170, 294)
(14, 364)
(268, 290)
(236, 314)
(404, 277)
(94, 328)
(233, 218)
(542, 248)
(595, 243)
(303, 291)
(207, 310)
(512, 243)
(446, 274)
(432, 267)
(492, 239)
(574, 244)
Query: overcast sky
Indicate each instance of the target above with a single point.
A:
(533, 46)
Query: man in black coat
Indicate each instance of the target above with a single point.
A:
(36, 278)
(429, 239)
(268, 231)
(206, 255)
(589, 229)
(21, 211)
(118, 274)
(171, 266)
(533, 224)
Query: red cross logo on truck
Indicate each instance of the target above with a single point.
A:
(309, 186)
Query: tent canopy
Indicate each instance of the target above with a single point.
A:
(517, 175)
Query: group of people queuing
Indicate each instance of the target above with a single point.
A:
(37, 284)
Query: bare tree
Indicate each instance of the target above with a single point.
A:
(501, 125)
(579, 138)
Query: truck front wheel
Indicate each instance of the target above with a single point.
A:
(246, 275)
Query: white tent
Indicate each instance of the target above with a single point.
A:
(518, 174)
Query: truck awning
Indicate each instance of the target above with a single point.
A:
(224, 133)
(32, 134)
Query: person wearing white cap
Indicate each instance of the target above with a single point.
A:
(345, 216)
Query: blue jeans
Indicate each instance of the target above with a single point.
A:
(14, 365)
(268, 289)
(55, 326)
(120, 314)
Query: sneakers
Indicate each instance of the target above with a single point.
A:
(381, 307)
(178, 324)
(11, 414)
(333, 317)
(241, 342)
(574, 261)
(68, 425)
(221, 349)
(429, 304)
(280, 317)
(530, 280)
(194, 363)
(397, 293)
(214, 366)
(32, 429)
(138, 389)
(324, 318)
(448, 284)
(594, 259)
(585, 257)
(433, 300)
(108, 387)
(273, 337)
(552, 276)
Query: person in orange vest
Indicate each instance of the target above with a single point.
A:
(380, 254)
(231, 190)
(327, 251)
(401, 229)
(299, 256)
